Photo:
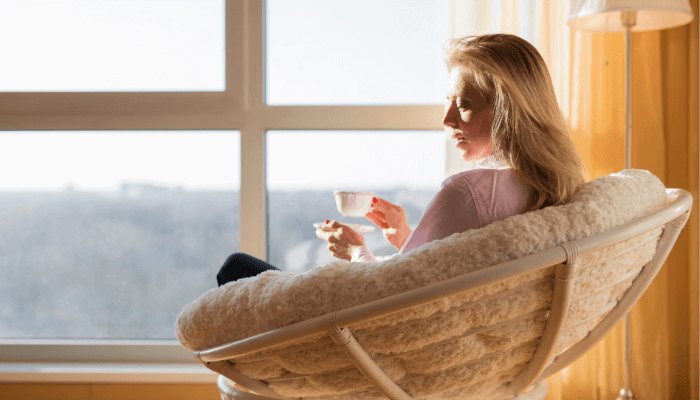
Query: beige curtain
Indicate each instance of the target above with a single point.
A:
(665, 141)
(589, 74)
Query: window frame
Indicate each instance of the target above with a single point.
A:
(241, 107)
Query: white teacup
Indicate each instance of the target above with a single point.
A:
(353, 204)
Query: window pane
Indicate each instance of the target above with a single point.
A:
(359, 52)
(109, 234)
(303, 169)
(112, 45)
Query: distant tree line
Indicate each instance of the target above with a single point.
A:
(122, 265)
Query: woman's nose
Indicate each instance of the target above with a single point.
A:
(448, 119)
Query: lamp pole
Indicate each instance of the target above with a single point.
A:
(629, 19)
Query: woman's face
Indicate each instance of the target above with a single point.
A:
(469, 117)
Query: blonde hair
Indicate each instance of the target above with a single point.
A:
(528, 132)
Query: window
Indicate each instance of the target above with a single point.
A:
(164, 165)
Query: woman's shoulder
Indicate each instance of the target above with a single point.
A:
(479, 177)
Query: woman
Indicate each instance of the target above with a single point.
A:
(501, 109)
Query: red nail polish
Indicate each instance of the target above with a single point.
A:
(327, 221)
(374, 200)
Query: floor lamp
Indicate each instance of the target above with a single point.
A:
(627, 16)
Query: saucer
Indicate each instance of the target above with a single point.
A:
(359, 228)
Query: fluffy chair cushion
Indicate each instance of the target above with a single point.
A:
(278, 298)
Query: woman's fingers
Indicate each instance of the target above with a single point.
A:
(387, 214)
(392, 219)
(328, 230)
(386, 209)
(323, 233)
(334, 238)
(336, 247)
(377, 218)
(340, 238)
(384, 205)
(340, 251)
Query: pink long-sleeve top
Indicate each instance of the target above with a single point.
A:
(467, 200)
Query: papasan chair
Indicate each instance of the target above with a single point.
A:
(484, 314)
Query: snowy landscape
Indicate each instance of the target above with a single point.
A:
(122, 265)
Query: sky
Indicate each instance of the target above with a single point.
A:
(210, 160)
(355, 161)
(102, 161)
(315, 54)
(112, 45)
(335, 52)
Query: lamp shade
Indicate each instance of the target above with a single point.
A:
(604, 15)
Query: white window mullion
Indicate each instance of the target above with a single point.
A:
(253, 215)
(253, 206)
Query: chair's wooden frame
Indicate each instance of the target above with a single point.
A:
(671, 217)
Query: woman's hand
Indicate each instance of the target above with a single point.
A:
(392, 219)
(341, 238)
